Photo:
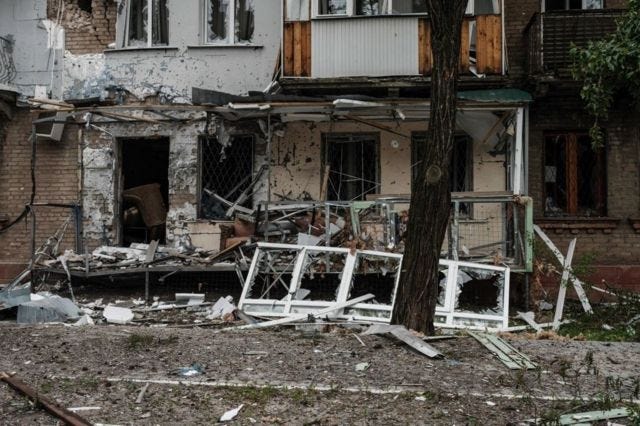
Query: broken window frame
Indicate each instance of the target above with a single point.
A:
(162, 30)
(449, 316)
(368, 186)
(232, 23)
(289, 305)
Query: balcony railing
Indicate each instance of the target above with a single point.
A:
(7, 68)
(551, 34)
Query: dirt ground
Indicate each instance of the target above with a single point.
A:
(287, 376)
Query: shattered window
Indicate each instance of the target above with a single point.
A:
(225, 172)
(221, 20)
(372, 7)
(354, 165)
(139, 18)
(574, 176)
(217, 17)
(332, 7)
(409, 6)
(479, 291)
(244, 20)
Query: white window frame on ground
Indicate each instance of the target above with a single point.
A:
(231, 31)
(150, 25)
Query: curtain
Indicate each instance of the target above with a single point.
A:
(244, 20)
(160, 27)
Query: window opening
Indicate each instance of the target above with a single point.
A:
(332, 7)
(230, 21)
(139, 18)
(574, 176)
(145, 189)
(372, 7)
(225, 171)
(353, 161)
(551, 5)
(460, 179)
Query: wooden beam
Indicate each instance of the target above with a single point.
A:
(288, 49)
(62, 413)
(297, 49)
(425, 58)
(465, 47)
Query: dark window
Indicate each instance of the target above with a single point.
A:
(461, 163)
(574, 176)
(371, 7)
(551, 5)
(353, 162)
(409, 6)
(224, 171)
(230, 21)
(139, 23)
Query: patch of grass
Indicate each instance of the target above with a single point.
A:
(259, 395)
(137, 341)
(608, 323)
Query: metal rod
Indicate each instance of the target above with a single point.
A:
(266, 207)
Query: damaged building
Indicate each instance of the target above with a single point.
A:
(205, 124)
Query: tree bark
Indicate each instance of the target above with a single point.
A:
(431, 198)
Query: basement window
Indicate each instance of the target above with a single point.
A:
(354, 165)
(143, 18)
(225, 171)
(229, 21)
(574, 176)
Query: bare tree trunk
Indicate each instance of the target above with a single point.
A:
(431, 198)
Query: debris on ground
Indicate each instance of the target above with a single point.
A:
(231, 414)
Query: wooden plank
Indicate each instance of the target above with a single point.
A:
(571, 152)
(297, 49)
(464, 47)
(577, 284)
(306, 49)
(425, 56)
(288, 49)
(506, 353)
(488, 44)
(564, 282)
(50, 406)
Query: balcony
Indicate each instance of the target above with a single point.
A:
(550, 35)
(7, 68)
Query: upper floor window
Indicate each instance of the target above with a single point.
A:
(148, 26)
(392, 7)
(229, 21)
(550, 5)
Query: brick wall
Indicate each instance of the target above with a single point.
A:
(621, 245)
(57, 182)
(90, 25)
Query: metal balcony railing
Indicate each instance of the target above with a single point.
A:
(550, 36)
(7, 67)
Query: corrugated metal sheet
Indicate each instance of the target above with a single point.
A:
(364, 47)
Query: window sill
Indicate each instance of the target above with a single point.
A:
(225, 46)
(635, 224)
(140, 48)
(577, 224)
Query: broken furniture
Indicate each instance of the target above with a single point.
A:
(147, 199)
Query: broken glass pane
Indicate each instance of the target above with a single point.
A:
(244, 20)
(332, 7)
(409, 6)
(321, 276)
(272, 276)
(137, 33)
(371, 7)
(479, 291)
(217, 20)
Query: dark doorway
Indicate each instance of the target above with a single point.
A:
(145, 189)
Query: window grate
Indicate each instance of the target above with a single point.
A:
(225, 171)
